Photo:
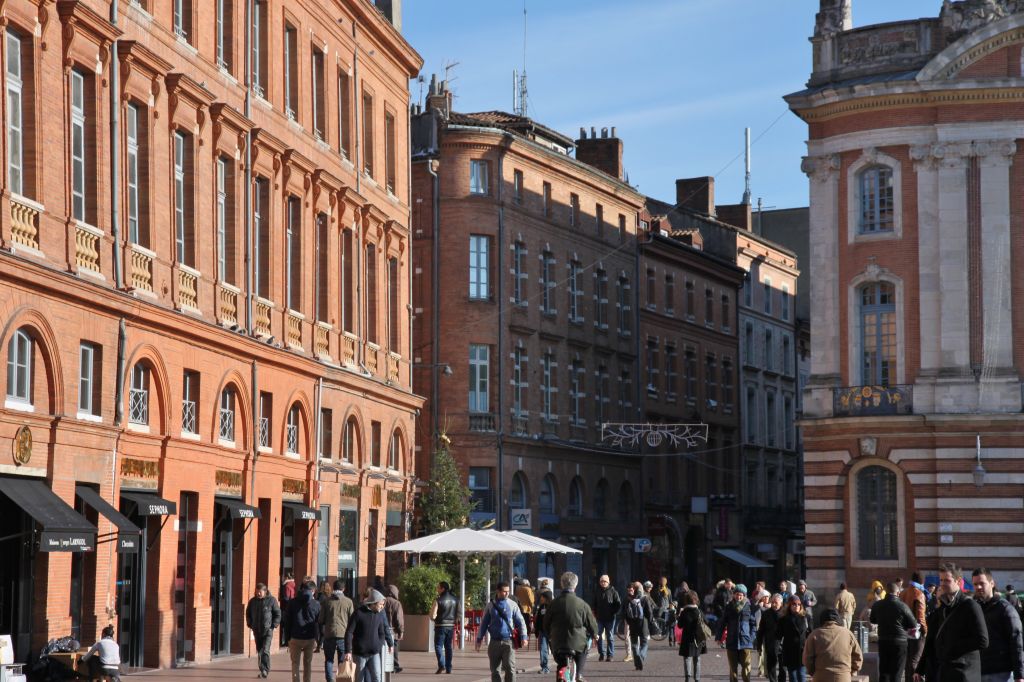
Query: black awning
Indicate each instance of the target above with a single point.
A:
(150, 504)
(64, 529)
(302, 512)
(238, 509)
(129, 536)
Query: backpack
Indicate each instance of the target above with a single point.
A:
(634, 609)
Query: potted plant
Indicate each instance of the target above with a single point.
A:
(417, 589)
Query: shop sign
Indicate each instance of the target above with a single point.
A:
(228, 482)
(642, 545)
(396, 496)
(350, 490)
(127, 544)
(22, 446)
(377, 497)
(139, 473)
(293, 489)
(522, 519)
(346, 558)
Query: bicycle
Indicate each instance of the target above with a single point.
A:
(662, 625)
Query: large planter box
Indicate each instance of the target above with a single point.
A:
(419, 634)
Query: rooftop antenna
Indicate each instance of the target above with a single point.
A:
(519, 96)
(746, 190)
(420, 79)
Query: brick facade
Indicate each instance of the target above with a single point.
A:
(295, 336)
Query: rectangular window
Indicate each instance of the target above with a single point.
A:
(326, 433)
(575, 293)
(726, 322)
(225, 34)
(624, 307)
(577, 375)
(260, 14)
(190, 402)
(225, 221)
(601, 299)
(479, 376)
(748, 290)
(787, 367)
(371, 293)
(19, 367)
(291, 72)
(227, 416)
(394, 306)
(690, 374)
(375, 443)
(690, 302)
(519, 273)
(787, 425)
(184, 226)
(78, 135)
(89, 378)
(344, 113)
(709, 307)
(727, 388)
(547, 283)
(478, 176)
(519, 382)
(261, 232)
(479, 267)
(625, 391)
(748, 345)
(293, 255)
(138, 396)
(877, 205)
(319, 104)
(671, 371)
(15, 124)
(670, 294)
(390, 152)
(546, 197)
(769, 351)
(784, 310)
(767, 286)
(751, 409)
(602, 394)
(548, 387)
(517, 186)
(711, 381)
(622, 227)
(367, 134)
(131, 125)
(479, 484)
(652, 367)
(348, 282)
(599, 219)
(183, 19)
(574, 210)
(323, 235)
(266, 414)
(652, 294)
(771, 419)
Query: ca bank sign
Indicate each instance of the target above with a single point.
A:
(522, 519)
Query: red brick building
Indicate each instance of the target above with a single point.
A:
(912, 418)
(525, 281)
(206, 340)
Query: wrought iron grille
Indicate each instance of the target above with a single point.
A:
(293, 438)
(188, 416)
(227, 424)
(138, 406)
(264, 432)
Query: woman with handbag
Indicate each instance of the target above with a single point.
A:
(695, 635)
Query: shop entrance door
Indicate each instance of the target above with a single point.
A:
(184, 578)
(221, 580)
(131, 598)
(16, 576)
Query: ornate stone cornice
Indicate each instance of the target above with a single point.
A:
(821, 168)
(906, 100)
(955, 154)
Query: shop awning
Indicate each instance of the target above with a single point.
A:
(742, 558)
(302, 512)
(64, 529)
(129, 537)
(238, 509)
(150, 504)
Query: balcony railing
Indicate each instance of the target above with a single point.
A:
(87, 247)
(262, 317)
(372, 364)
(188, 281)
(393, 367)
(140, 268)
(348, 348)
(521, 423)
(321, 344)
(295, 330)
(24, 223)
(482, 422)
(864, 401)
(227, 301)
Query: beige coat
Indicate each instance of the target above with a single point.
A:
(832, 654)
(846, 603)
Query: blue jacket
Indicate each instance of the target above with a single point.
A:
(497, 617)
(741, 626)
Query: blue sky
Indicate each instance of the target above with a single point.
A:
(680, 79)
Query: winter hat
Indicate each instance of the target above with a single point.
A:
(741, 588)
(372, 597)
(801, 582)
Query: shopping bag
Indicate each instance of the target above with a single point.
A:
(347, 671)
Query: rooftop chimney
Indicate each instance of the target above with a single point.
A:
(696, 194)
(439, 97)
(392, 11)
(737, 215)
(603, 153)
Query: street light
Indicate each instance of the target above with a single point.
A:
(445, 368)
(979, 470)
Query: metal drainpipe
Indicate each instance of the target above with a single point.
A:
(500, 420)
(118, 416)
(248, 178)
(115, 151)
(435, 352)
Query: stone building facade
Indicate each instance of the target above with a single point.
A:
(199, 396)
(912, 416)
(524, 294)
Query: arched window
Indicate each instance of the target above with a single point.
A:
(517, 493)
(601, 499)
(575, 497)
(876, 508)
(547, 500)
(292, 431)
(395, 451)
(877, 204)
(227, 415)
(19, 368)
(138, 395)
(625, 501)
(349, 444)
(878, 334)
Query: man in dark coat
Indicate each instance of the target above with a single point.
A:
(263, 616)
(769, 637)
(303, 628)
(956, 634)
(396, 618)
(607, 605)
(569, 624)
(740, 628)
(894, 619)
(1003, 659)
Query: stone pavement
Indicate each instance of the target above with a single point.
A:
(663, 663)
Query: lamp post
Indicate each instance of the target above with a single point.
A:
(979, 470)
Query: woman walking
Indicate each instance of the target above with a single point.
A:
(792, 630)
(692, 642)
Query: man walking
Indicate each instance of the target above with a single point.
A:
(1003, 659)
(914, 596)
(607, 605)
(569, 624)
(366, 635)
(809, 601)
(303, 625)
(443, 614)
(502, 619)
(894, 619)
(956, 634)
(263, 616)
(846, 605)
(738, 622)
(769, 637)
(396, 619)
(335, 612)
(832, 653)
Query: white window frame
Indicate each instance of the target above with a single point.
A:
(520, 276)
(289, 105)
(86, 378)
(479, 378)
(222, 218)
(478, 180)
(78, 130)
(317, 77)
(226, 422)
(131, 126)
(138, 395)
(179, 196)
(575, 292)
(751, 408)
(179, 19)
(189, 404)
(19, 368)
(577, 375)
(222, 20)
(547, 283)
(548, 390)
(766, 286)
(771, 419)
(769, 350)
(479, 267)
(623, 307)
(259, 15)
(601, 299)
(784, 308)
(15, 116)
(292, 431)
(394, 452)
(520, 384)
(873, 158)
(293, 227)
